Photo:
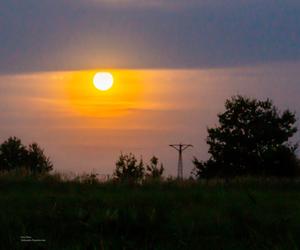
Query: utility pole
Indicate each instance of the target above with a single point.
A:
(180, 148)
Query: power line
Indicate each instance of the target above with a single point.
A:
(180, 148)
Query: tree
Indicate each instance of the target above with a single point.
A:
(37, 161)
(252, 139)
(129, 169)
(153, 170)
(14, 155)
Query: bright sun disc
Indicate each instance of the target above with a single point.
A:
(103, 81)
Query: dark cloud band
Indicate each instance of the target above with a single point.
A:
(58, 35)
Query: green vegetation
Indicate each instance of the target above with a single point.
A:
(252, 139)
(14, 156)
(130, 170)
(154, 171)
(73, 214)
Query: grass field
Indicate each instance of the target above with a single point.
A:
(240, 214)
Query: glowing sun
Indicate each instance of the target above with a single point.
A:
(103, 81)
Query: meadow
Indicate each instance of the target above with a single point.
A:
(246, 213)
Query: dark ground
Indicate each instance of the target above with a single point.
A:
(241, 214)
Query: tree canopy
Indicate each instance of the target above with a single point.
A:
(14, 156)
(252, 139)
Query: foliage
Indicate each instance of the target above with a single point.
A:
(15, 156)
(37, 161)
(153, 170)
(129, 169)
(88, 178)
(252, 139)
(245, 214)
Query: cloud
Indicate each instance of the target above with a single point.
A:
(68, 35)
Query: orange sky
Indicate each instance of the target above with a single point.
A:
(84, 129)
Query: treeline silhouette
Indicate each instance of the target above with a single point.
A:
(252, 139)
(14, 156)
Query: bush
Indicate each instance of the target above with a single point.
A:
(129, 169)
(154, 171)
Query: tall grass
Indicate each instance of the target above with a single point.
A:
(82, 213)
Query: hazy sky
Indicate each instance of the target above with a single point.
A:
(83, 129)
(174, 63)
(84, 34)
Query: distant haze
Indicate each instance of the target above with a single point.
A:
(84, 130)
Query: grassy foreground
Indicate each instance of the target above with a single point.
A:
(242, 214)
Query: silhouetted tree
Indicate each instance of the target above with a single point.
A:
(14, 155)
(252, 139)
(129, 169)
(153, 170)
(37, 161)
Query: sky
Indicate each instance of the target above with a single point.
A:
(174, 63)
(85, 34)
